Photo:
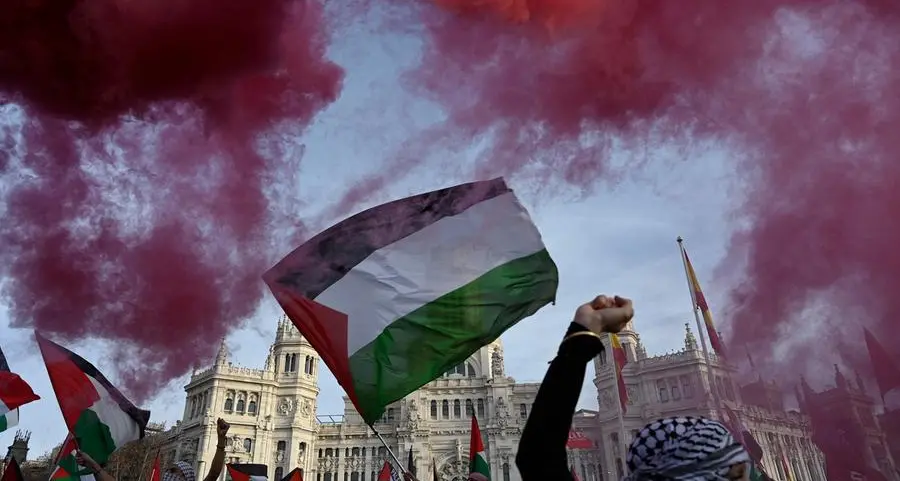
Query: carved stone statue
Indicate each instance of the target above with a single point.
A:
(459, 450)
(497, 369)
(412, 415)
(502, 413)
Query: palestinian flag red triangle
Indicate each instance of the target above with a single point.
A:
(12, 472)
(295, 475)
(14, 392)
(99, 417)
(248, 472)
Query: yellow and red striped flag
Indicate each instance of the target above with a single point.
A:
(620, 361)
(700, 303)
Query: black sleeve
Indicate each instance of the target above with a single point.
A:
(542, 449)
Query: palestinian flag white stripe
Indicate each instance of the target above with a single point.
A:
(440, 258)
(121, 426)
(9, 420)
(394, 296)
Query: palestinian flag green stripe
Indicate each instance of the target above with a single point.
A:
(422, 345)
(9, 420)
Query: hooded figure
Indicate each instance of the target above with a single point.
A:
(687, 449)
(180, 471)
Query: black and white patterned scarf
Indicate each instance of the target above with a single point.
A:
(684, 449)
(186, 470)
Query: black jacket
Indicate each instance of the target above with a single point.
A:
(542, 449)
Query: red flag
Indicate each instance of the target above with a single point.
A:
(887, 375)
(295, 475)
(14, 392)
(577, 440)
(621, 359)
(154, 473)
(700, 303)
(12, 473)
(386, 472)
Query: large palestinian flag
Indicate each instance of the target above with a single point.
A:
(396, 295)
(14, 392)
(99, 417)
(248, 472)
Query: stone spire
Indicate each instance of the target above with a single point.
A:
(222, 356)
(839, 379)
(18, 450)
(690, 342)
(639, 350)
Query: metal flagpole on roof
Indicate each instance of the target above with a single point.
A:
(701, 331)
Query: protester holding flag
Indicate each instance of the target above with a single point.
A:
(542, 449)
(100, 474)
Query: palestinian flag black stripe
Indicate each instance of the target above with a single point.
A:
(248, 472)
(327, 257)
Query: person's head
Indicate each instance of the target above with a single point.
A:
(687, 449)
(180, 471)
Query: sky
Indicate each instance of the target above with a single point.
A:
(619, 239)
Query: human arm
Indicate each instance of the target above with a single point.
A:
(218, 460)
(83, 459)
(542, 448)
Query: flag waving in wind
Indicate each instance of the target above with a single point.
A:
(295, 475)
(396, 295)
(621, 359)
(700, 303)
(14, 392)
(98, 416)
(479, 469)
(12, 471)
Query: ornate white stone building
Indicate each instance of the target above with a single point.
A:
(273, 415)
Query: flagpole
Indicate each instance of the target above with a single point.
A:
(700, 330)
(621, 411)
(390, 452)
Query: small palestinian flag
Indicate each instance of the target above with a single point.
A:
(12, 472)
(65, 466)
(396, 295)
(295, 475)
(14, 392)
(99, 417)
(248, 472)
(388, 473)
(479, 469)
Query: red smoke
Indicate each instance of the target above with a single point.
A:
(140, 213)
(806, 94)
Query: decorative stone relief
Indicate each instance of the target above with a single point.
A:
(286, 406)
(306, 408)
(455, 471)
(502, 413)
(413, 417)
(606, 398)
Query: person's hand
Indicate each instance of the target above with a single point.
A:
(222, 428)
(83, 459)
(605, 314)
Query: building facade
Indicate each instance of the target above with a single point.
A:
(274, 421)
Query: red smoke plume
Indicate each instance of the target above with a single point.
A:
(140, 212)
(806, 94)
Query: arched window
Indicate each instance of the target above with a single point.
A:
(523, 411)
(281, 446)
(328, 453)
(306, 365)
(457, 411)
(293, 363)
(229, 404)
(240, 405)
(354, 476)
(505, 471)
(480, 408)
(445, 409)
(248, 445)
(287, 363)
(469, 411)
(390, 414)
(251, 407)
(470, 369)
(279, 473)
(433, 409)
